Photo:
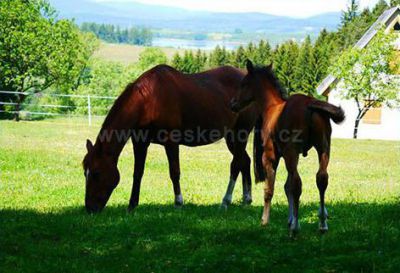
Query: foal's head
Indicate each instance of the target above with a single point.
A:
(255, 86)
(102, 176)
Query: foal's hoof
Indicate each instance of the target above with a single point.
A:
(224, 206)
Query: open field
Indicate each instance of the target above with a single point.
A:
(127, 54)
(44, 228)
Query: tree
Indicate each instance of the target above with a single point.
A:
(239, 57)
(37, 50)
(364, 74)
(284, 64)
(351, 13)
(219, 57)
(394, 3)
(304, 69)
(263, 53)
(150, 57)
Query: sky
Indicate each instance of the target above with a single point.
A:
(292, 8)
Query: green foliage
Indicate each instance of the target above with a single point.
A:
(114, 34)
(219, 57)
(150, 57)
(394, 3)
(364, 75)
(350, 13)
(37, 50)
(107, 79)
(285, 59)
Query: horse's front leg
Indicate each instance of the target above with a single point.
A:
(172, 151)
(140, 153)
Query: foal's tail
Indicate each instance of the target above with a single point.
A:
(259, 173)
(334, 112)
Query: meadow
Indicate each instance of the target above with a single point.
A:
(128, 54)
(44, 227)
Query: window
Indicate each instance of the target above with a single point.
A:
(373, 116)
(397, 26)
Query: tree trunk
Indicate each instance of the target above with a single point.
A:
(356, 127)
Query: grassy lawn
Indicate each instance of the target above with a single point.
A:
(44, 228)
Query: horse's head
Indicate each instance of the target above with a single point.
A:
(252, 87)
(102, 176)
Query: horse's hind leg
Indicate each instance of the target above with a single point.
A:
(322, 184)
(246, 178)
(270, 162)
(293, 189)
(234, 173)
(172, 151)
(140, 153)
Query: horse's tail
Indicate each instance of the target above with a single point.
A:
(259, 173)
(334, 112)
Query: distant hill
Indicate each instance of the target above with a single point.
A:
(162, 17)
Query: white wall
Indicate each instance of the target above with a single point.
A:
(389, 129)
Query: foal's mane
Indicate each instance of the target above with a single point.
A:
(269, 74)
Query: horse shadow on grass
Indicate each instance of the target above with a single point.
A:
(200, 238)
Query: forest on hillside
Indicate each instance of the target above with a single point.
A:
(65, 63)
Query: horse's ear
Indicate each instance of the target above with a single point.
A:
(249, 66)
(89, 145)
(270, 66)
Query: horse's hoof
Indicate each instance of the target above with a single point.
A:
(131, 209)
(247, 201)
(323, 228)
(294, 229)
(224, 206)
(178, 205)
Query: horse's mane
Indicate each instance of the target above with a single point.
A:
(268, 73)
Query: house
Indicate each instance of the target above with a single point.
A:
(378, 123)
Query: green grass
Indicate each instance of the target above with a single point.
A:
(44, 228)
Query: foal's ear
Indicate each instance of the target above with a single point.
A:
(270, 66)
(249, 66)
(89, 145)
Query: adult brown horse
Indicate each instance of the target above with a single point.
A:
(289, 127)
(167, 107)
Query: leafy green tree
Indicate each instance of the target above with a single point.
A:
(304, 69)
(38, 51)
(107, 79)
(263, 53)
(219, 57)
(350, 13)
(239, 57)
(364, 76)
(380, 7)
(150, 57)
(284, 64)
(394, 3)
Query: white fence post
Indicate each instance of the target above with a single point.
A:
(89, 111)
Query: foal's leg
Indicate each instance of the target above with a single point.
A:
(322, 184)
(140, 152)
(270, 162)
(293, 189)
(289, 197)
(172, 151)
